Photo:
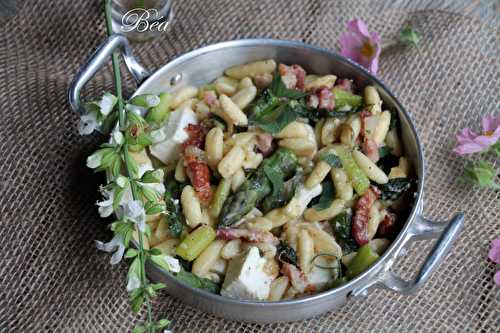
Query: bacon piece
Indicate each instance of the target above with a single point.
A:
(345, 84)
(210, 97)
(359, 227)
(326, 99)
(199, 174)
(196, 135)
(370, 149)
(297, 278)
(387, 226)
(252, 236)
(265, 143)
(293, 76)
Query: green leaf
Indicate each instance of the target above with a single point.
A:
(275, 176)
(131, 253)
(135, 268)
(496, 148)
(154, 252)
(273, 121)
(158, 286)
(153, 176)
(144, 139)
(153, 208)
(341, 226)
(279, 89)
(384, 151)
(327, 196)
(131, 165)
(119, 192)
(145, 100)
(139, 329)
(394, 188)
(330, 158)
(482, 174)
(108, 157)
(116, 167)
(137, 303)
(161, 324)
(410, 36)
(150, 194)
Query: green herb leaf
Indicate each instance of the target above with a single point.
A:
(158, 286)
(330, 158)
(286, 253)
(154, 252)
(341, 226)
(119, 192)
(137, 303)
(116, 167)
(410, 36)
(394, 188)
(384, 151)
(273, 121)
(139, 329)
(327, 196)
(153, 208)
(161, 324)
(153, 176)
(275, 176)
(131, 165)
(131, 253)
(496, 148)
(482, 174)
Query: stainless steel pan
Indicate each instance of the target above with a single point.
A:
(204, 65)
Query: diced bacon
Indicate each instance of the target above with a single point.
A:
(387, 226)
(326, 99)
(297, 278)
(199, 174)
(293, 76)
(313, 101)
(265, 143)
(263, 80)
(359, 227)
(253, 236)
(210, 97)
(370, 149)
(345, 84)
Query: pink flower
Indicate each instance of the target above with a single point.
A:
(494, 255)
(470, 142)
(361, 46)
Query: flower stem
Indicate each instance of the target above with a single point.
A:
(135, 196)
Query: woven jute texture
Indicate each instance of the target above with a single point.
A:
(52, 279)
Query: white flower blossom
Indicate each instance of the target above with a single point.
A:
(134, 211)
(172, 264)
(106, 206)
(107, 103)
(87, 124)
(133, 283)
(115, 245)
(117, 137)
(94, 160)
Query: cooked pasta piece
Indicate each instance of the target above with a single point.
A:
(330, 131)
(182, 95)
(295, 129)
(244, 97)
(207, 258)
(231, 249)
(225, 85)
(318, 174)
(323, 241)
(370, 169)
(180, 171)
(305, 250)
(167, 247)
(232, 162)
(325, 81)
(251, 69)
(343, 187)
(214, 142)
(372, 99)
(237, 179)
(191, 206)
(278, 288)
(335, 208)
(232, 112)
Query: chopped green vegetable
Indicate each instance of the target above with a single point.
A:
(221, 194)
(330, 158)
(365, 257)
(194, 243)
(359, 180)
(159, 114)
(345, 100)
(257, 187)
(338, 282)
(284, 195)
(341, 226)
(286, 253)
(276, 177)
(394, 188)
(327, 196)
(197, 282)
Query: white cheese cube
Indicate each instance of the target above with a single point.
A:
(245, 277)
(168, 150)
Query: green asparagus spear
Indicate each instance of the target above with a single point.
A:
(257, 187)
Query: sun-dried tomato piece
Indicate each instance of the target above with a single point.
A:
(387, 227)
(196, 135)
(359, 227)
(199, 174)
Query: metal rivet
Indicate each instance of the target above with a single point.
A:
(176, 79)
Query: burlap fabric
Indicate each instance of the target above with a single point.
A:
(53, 279)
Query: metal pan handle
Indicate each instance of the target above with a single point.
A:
(97, 61)
(421, 229)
